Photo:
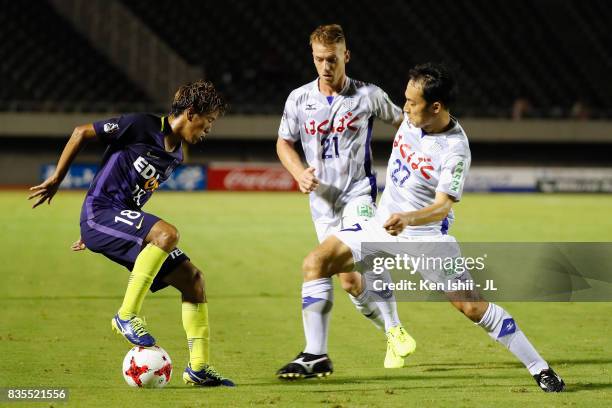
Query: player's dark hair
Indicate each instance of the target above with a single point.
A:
(201, 95)
(437, 82)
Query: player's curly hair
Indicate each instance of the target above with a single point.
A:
(201, 95)
(437, 81)
(328, 34)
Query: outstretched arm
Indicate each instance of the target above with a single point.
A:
(432, 213)
(292, 162)
(47, 189)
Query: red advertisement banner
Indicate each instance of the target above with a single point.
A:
(250, 179)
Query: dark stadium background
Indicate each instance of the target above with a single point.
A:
(535, 88)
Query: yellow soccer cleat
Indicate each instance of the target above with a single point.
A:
(392, 360)
(402, 343)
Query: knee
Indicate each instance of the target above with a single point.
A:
(167, 237)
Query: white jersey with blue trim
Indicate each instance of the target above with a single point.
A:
(335, 133)
(421, 165)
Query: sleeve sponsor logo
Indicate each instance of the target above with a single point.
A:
(457, 176)
(110, 127)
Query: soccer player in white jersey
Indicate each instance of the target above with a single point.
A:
(333, 117)
(425, 176)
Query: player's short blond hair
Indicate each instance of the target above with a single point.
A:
(328, 34)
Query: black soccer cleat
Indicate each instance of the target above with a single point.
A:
(549, 381)
(306, 365)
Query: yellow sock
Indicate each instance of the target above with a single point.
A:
(147, 265)
(195, 323)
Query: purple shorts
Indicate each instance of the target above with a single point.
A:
(119, 235)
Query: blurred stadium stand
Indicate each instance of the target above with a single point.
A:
(534, 75)
(45, 65)
(551, 52)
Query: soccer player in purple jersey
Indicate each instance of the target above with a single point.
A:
(143, 150)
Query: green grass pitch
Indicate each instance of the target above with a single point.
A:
(56, 308)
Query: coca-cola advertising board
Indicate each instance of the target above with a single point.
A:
(247, 178)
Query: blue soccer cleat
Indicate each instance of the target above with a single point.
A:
(133, 330)
(206, 377)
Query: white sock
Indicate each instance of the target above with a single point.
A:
(368, 308)
(502, 328)
(317, 301)
(385, 300)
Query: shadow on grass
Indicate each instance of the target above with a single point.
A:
(321, 386)
(341, 386)
(579, 361)
(575, 387)
(409, 374)
(464, 366)
(483, 365)
(191, 388)
(381, 380)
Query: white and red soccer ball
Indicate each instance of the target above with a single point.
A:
(147, 367)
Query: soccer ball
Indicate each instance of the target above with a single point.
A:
(147, 367)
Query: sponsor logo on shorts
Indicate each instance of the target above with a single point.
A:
(176, 253)
(139, 223)
(365, 210)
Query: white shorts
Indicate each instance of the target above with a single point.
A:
(355, 211)
(377, 241)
